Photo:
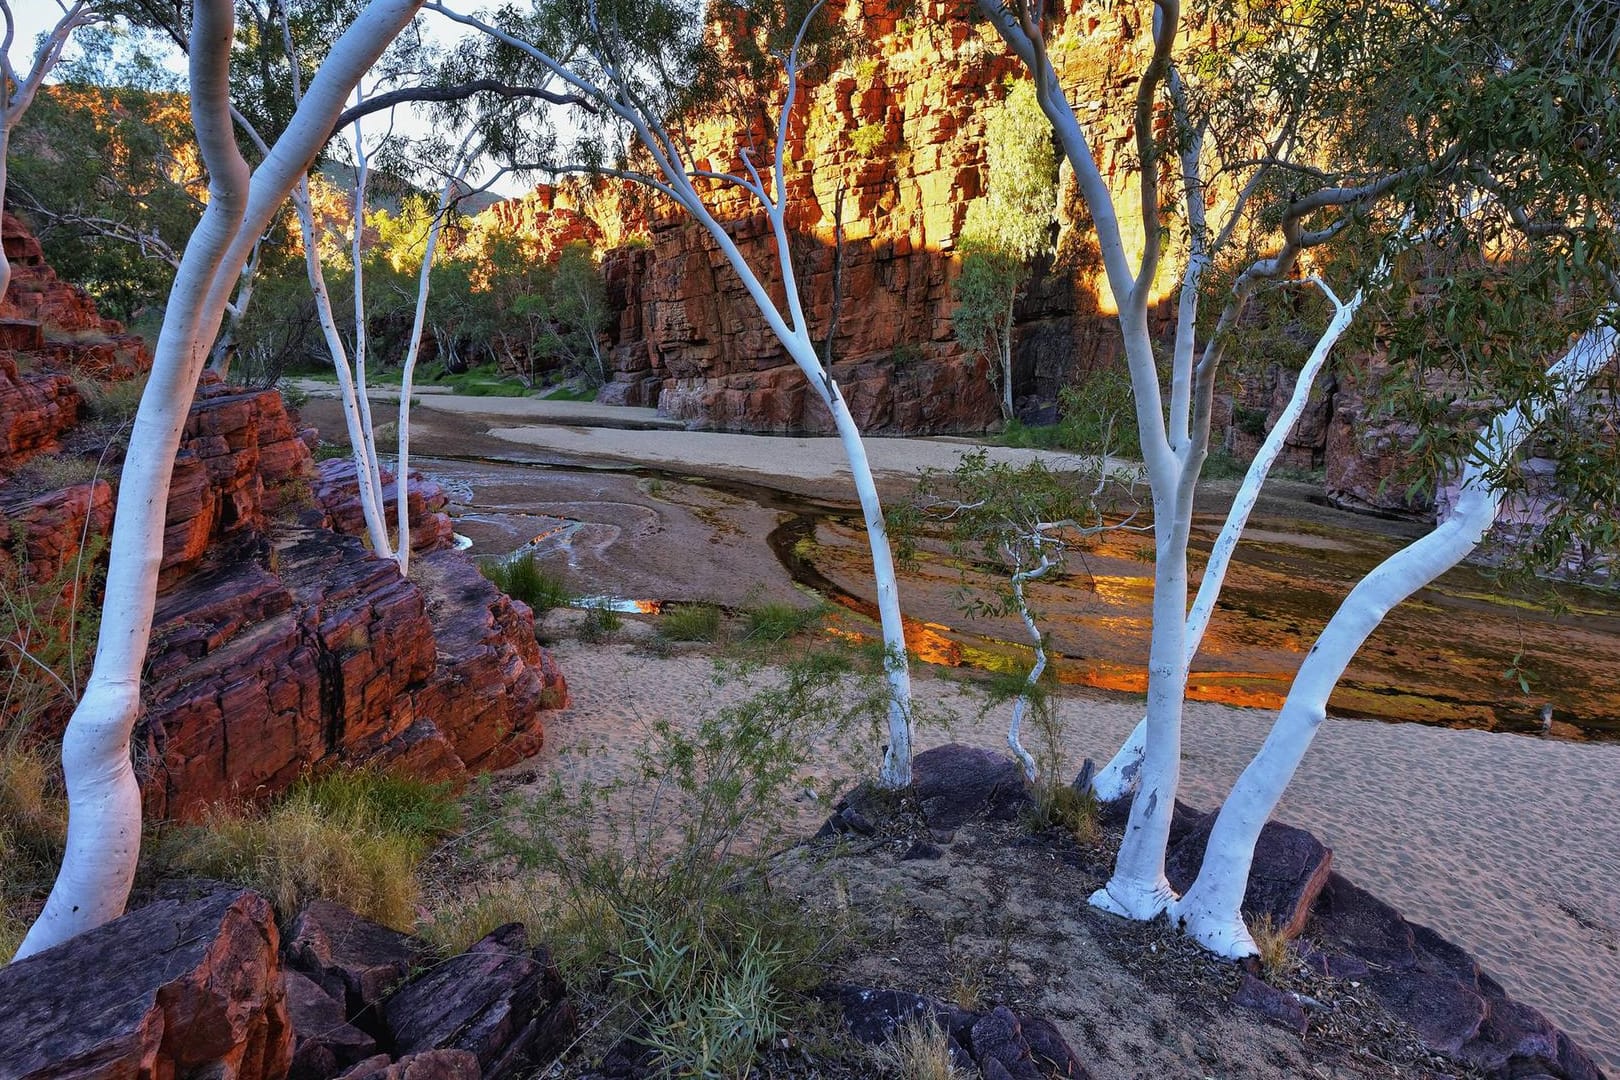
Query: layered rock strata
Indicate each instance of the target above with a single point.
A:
(279, 644)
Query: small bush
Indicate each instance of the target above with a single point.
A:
(522, 578)
(868, 139)
(354, 838)
(115, 401)
(691, 622)
(659, 879)
(601, 622)
(457, 925)
(919, 1049)
(1276, 958)
(1222, 464)
(774, 622)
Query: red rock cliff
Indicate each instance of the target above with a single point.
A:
(279, 643)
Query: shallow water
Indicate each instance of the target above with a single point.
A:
(1443, 657)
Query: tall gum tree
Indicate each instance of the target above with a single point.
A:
(1447, 129)
(104, 805)
(608, 74)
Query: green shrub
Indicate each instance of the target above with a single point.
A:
(114, 401)
(691, 622)
(522, 578)
(658, 879)
(774, 622)
(868, 139)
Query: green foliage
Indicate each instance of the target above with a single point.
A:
(774, 622)
(868, 139)
(522, 578)
(691, 622)
(1015, 215)
(658, 878)
(601, 622)
(355, 839)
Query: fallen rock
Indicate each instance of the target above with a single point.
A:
(1000, 1049)
(1289, 871)
(351, 958)
(324, 1042)
(174, 989)
(501, 1001)
(956, 784)
(428, 1065)
(1268, 1001)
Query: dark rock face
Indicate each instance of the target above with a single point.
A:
(324, 1042)
(352, 959)
(173, 989)
(499, 1001)
(956, 784)
(1438, 988)
(1290, 868)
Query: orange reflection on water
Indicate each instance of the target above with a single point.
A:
(1121, 590)
(927, 641)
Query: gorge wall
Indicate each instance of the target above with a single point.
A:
(899, 129)
(280, 644)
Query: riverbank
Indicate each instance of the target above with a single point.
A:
(1507, 844)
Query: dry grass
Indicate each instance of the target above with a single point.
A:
(1276, 958)
(919, 1050)
(356, 838)
(459, 922)
(33, 827)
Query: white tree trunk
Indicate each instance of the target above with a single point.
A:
(104, 798)
(408, 371)
(1118, 778)
(791, 329)
(104, 805)
(362, 448)
(1021, 703)
(1210, 912)
(362, 176)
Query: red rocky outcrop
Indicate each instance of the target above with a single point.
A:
(279, 643)
(177, 988)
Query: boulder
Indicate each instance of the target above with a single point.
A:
(428, 1065)
(1289, 871)
(500, 1000)
(351, 958)
(956, 784)
(324, 1042)
(174, 989)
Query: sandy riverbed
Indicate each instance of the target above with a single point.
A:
(1508, 844)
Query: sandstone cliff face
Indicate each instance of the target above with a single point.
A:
(899, 129)
(279, 643)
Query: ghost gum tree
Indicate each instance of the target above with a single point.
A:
(1485, 146)
(651, 73)
(104, 806)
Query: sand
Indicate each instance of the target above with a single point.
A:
(1509, 845)
(1505, 844)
